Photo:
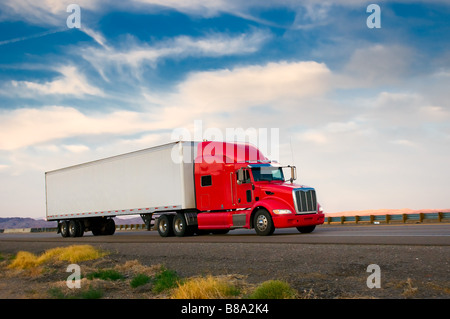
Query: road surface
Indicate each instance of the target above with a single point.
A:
(404, 234)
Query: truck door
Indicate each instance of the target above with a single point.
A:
(244, 190)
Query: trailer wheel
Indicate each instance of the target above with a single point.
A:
(306, 229)
(165, 225)
(263, 223)
(103, 227)
(64, 228)
(180, 227)
(81, 229)
(74, 228)
(109, 227)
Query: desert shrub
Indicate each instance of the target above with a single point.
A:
(105, 274)
(139, 280)
(166, 279)
(90, 293)
(273, 289)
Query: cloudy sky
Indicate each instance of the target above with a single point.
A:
(364, 113)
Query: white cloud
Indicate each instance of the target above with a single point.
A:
(76, 148)
(25, 127)
(71, 82)
(275, 83)
(135, 55)
(45, 12)
(378, 65)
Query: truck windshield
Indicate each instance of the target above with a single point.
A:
(267, 173)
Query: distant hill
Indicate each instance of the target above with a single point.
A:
(19, 222)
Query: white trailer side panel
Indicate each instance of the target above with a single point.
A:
(144, 181)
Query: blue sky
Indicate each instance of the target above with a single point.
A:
(363, 113)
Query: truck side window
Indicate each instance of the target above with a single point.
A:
(246, 177)
(206, 180)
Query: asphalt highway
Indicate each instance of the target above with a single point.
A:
(401, 234)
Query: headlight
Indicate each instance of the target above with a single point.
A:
(319, 208)
(281, 211)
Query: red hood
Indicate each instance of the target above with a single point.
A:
(279, 186)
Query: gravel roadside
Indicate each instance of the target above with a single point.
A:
(315, 270)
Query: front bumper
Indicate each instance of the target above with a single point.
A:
(297, 220)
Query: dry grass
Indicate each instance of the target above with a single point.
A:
(408, 289)
(206, 288)
(73, 254)
(134, 267)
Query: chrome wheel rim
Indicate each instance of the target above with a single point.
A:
(261, 222)
(178, 225)
(163, 226)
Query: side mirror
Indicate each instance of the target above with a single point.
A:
(293, 174)
(240, 176)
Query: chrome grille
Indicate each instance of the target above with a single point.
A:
(305, 200)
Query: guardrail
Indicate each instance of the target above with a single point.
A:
(131, 227)
(389, 218)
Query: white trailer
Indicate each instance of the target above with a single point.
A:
(86, 196)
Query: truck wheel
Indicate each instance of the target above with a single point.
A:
(165, 225)
(64, 228)
(180, 227)
(263, 223)
(110, 227)
(306, 229)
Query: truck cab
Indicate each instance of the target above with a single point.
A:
(236, 186)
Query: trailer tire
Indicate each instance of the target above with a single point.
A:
(306, 229)
(96, 230)
(165, 225)
(180, 227)
(76, 228)
(82, 228)
(110, 227)
(64, 228)
(103, 227)
(263, 223)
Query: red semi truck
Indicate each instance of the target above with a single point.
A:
(193, 187)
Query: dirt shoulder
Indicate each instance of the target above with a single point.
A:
(314, 270)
